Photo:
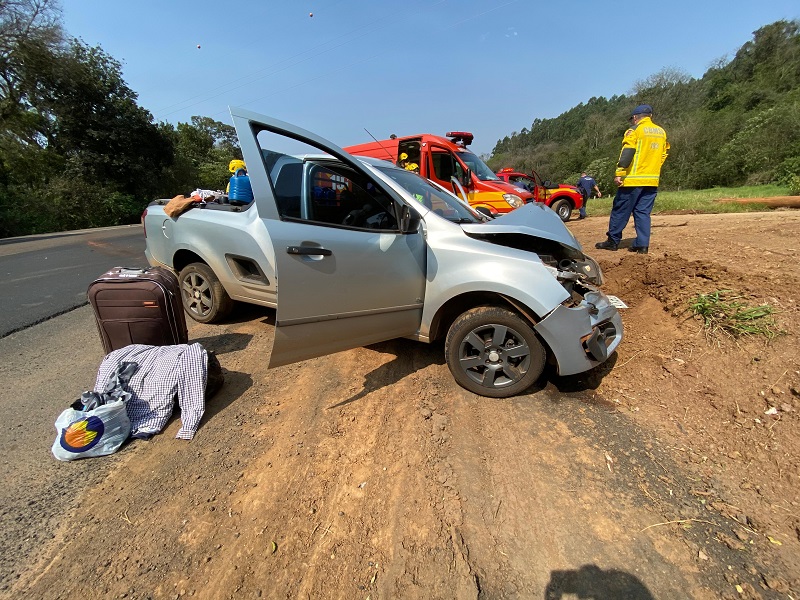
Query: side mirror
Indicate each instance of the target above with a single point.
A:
(409, 220)
(549, 185)
(466, 178)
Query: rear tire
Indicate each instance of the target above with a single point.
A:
(563, 208)
(493, 352)
(202, 294)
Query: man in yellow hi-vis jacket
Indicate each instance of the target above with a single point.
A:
(644, 150)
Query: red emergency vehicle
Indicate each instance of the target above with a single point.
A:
(447, 161)
(561, 197)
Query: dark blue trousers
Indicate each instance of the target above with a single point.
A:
(636, 201)
(585, 196)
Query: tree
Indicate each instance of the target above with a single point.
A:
(666, 78)
(23, 23)
(73, 135)
(203, 150)
(767, 147)
(92, 118)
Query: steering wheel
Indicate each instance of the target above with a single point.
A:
(357, 217)
(378, 221)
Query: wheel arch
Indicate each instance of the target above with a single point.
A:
(184, 257)
(457, 305)
(570, 199)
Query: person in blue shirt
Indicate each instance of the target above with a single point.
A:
(585, 185)
(521, 184)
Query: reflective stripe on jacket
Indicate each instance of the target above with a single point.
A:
(649, 144)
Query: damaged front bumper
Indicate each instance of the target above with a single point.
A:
(582, 335)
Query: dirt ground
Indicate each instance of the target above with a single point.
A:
(671, 472)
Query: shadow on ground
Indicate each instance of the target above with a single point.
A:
(225, 342)
(592, 582)
(582, 382)
(398, 368)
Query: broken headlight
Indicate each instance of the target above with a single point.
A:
(574, 269)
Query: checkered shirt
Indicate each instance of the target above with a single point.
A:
(163, 372)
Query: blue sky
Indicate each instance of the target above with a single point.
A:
(419, 66)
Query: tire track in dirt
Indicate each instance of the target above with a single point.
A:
(545, 504)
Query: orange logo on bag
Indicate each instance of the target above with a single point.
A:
(82, 435)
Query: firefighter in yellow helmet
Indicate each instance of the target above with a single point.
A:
(406, 164)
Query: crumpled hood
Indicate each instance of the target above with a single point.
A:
(535, 220)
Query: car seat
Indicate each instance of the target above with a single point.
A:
(288, 186)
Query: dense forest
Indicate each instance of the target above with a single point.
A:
(738, 124)
(77, 150)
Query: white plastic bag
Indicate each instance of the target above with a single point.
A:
(97, 432)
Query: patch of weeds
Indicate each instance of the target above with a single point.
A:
(794, 185)
(724, 311)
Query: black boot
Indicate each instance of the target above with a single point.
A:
(638, 249)
(609, 244)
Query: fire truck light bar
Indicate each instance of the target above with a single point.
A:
(464, 137)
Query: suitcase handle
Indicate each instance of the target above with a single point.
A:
(132, 270)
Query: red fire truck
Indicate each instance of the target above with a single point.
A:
(561, 197)
(447, 161)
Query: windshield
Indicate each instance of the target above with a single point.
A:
(437, 199)
(477, 166)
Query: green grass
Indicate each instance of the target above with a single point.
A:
(723, 311)
(701, 201)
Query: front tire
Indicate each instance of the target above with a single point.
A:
(563, 208)
(202, 294)
(493, 352)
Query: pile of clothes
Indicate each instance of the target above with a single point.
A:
(164, 374)
(134, 397)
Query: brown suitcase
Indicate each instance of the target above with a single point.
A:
(138, 306)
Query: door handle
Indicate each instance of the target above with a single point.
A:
(308, 251)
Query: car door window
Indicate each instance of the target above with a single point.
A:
(316, 188)
(526, 181)
(340, 196)
(444, 165)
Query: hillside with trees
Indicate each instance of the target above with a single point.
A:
(739, 124)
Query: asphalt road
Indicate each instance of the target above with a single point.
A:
(46, 275)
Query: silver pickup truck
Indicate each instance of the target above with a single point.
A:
(353, 251)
